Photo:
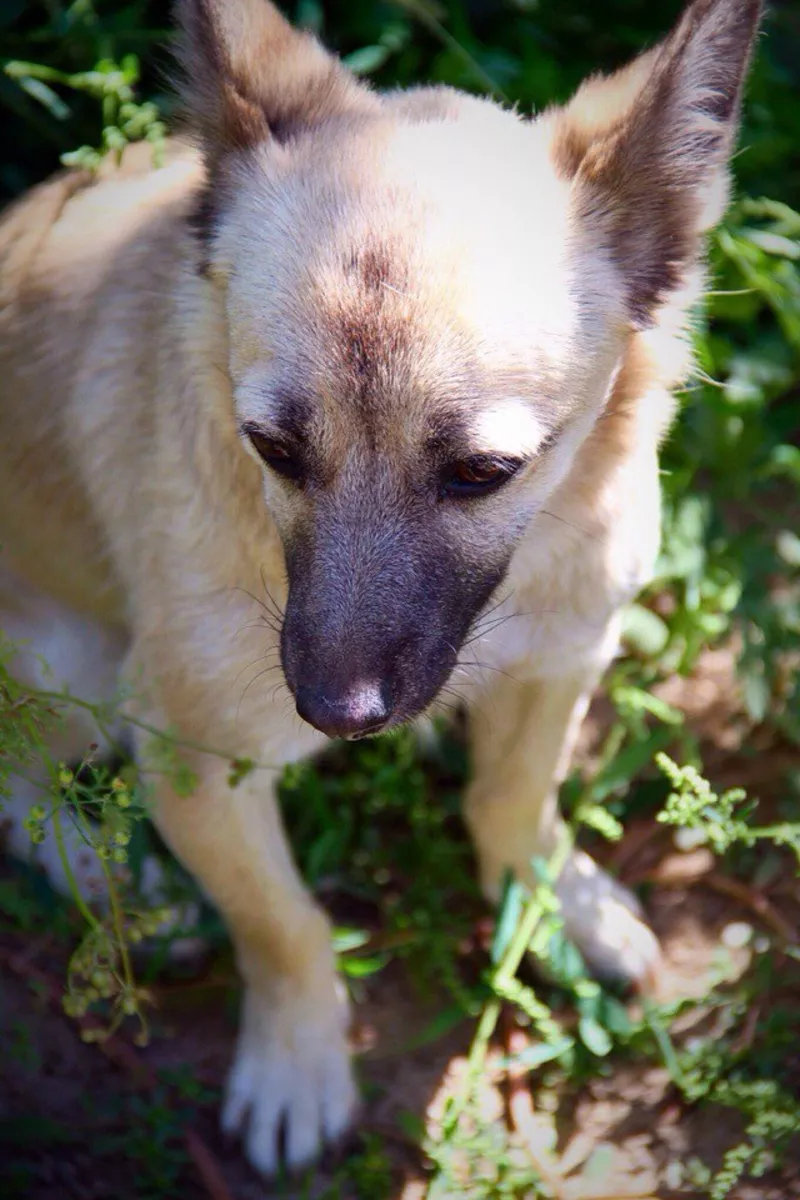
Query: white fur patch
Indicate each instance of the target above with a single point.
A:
(604, 919)
(291, 1078)
(508, 427)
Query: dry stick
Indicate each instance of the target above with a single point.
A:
(754, 900)
(521, 1117)
(207, 1167)
(502, 978)
(519, 1107)
(123, 1056)
(638, 834)
(747, 1036)
(734, 888)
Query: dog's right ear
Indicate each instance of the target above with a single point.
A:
(646, 149)
(250, 76)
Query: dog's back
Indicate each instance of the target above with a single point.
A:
(87, 269)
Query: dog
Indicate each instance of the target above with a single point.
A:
(390, 359)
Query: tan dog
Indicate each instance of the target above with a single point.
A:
(393, 357)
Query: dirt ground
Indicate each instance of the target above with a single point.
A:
(77, 1123)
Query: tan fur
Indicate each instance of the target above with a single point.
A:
(400, 267)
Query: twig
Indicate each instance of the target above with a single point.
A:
(749, 1029)
(752, 899)
(638, 834)
(736, 890)
(207, 1167)
(502, 980)
(519, 1108)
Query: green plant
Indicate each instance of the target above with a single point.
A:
(376, 826)
(112, 85)
(721, 820)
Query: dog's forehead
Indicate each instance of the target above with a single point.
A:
(466, 222)
(422, 268)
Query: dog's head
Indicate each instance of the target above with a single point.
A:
(428, 299)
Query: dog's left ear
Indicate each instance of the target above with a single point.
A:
(647, 149)
(249, 76)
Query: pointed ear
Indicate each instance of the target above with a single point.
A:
(249, 75)
(647, 148)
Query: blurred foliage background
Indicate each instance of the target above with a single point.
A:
(528, 52)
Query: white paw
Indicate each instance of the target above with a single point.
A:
(290, 1090)
(604, 920)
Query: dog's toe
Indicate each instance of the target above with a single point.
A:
(290, 1092)
(604, 920)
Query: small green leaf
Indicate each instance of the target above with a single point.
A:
(644, 631)
(367, 59)
(757, 695)
(629, 762)
(360, 968)
(773, 243)
(345, 940)
(594, 1036)
(509, 918)
(47, 97)
(615, 1017)
(412, 1125)
(594, 816)
(787, 544)
(534, 1056)
(240, 768)
(437, 1028)
(310, 16)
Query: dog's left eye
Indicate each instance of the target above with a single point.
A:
(477, 476)
(276, 455)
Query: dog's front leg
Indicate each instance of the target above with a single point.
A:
(291, 1081)
(523, 736)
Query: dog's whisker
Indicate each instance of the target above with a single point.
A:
(277, 611)
(493, 626)
(482, 617)
(452, 705)
(275, 693)
(257, 662)
(494, 607)
(261, 623)
(255, 679)
(270, 616)
(546, 512)
(482, 666)
(447, 689)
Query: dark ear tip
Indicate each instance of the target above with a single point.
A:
(744, 15)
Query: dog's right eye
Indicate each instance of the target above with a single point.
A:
(275, 454)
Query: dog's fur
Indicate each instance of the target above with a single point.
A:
(385, 286)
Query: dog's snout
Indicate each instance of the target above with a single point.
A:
(361, 709)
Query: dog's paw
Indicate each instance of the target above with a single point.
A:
(290, 1091)
(604, 920)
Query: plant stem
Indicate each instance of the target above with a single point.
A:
(80, 903)
(181, 743)
(504, 973)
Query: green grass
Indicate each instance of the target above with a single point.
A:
(376, 827)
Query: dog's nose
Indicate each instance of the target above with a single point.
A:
(363, 709)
